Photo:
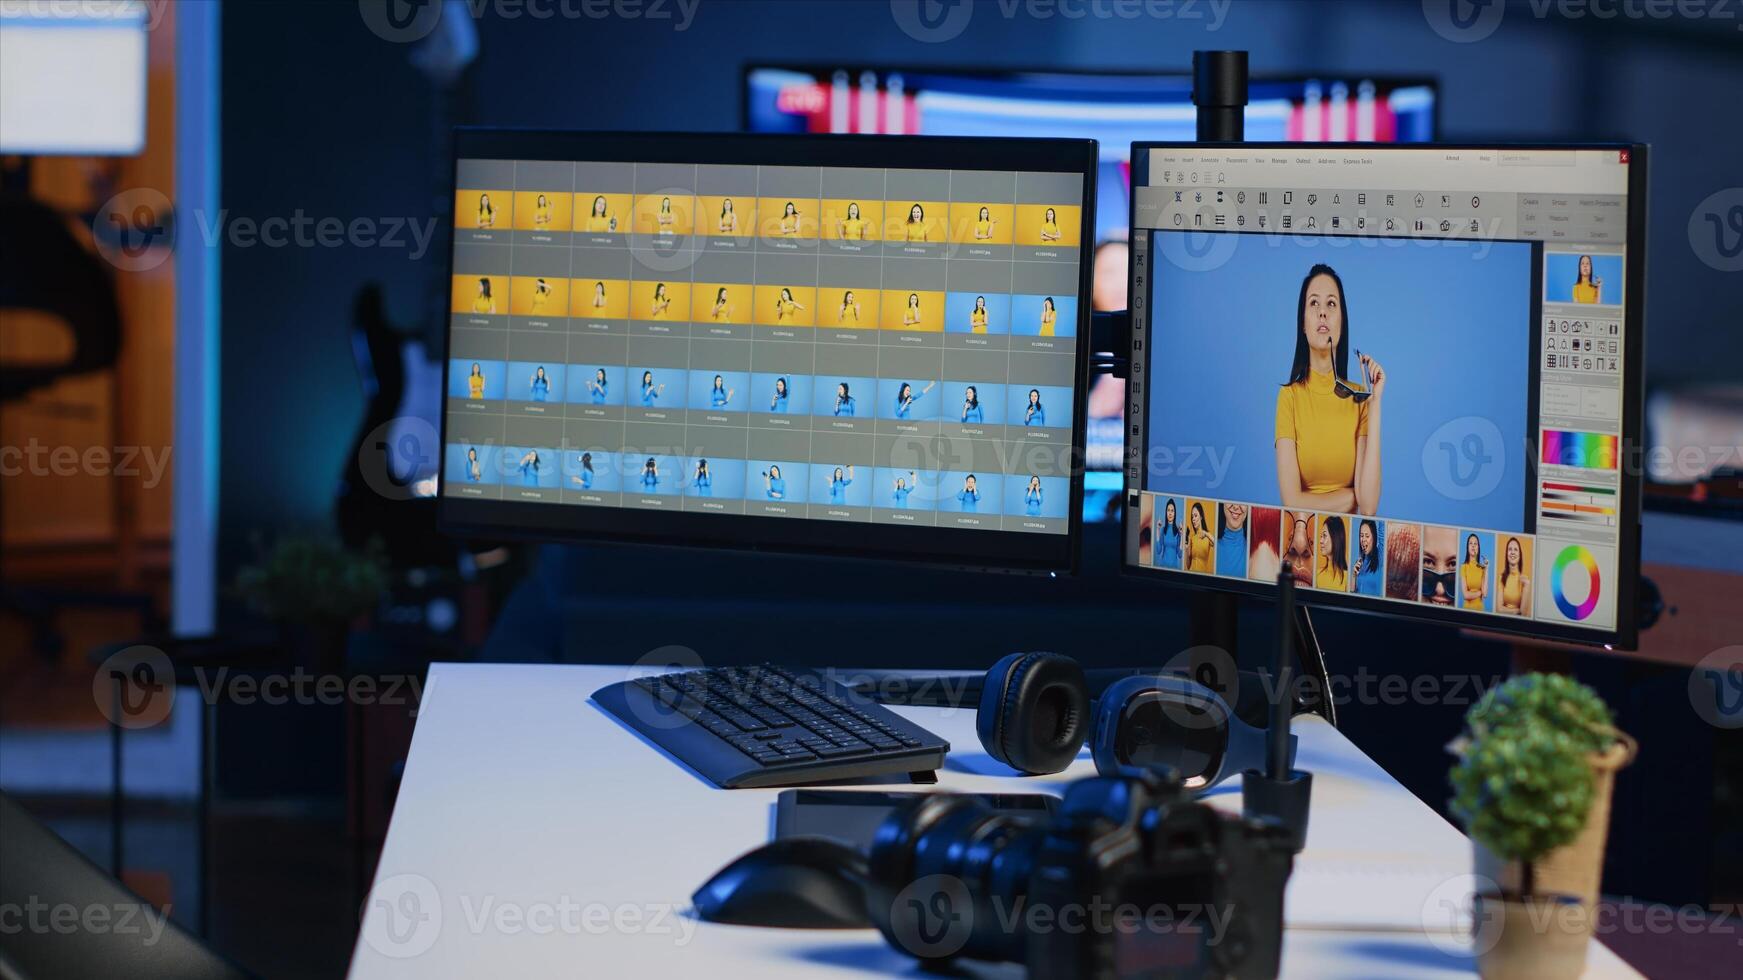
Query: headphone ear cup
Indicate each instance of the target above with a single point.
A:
(1034, 712)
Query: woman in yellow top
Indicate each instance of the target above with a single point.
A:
(665, 220)
(475, 383)
(662, 302)
(849, 308)
(1515, 585)
(599, 295)
(1334, 562)
(728, 217)
(484, 302)
(1198, 542)
(1328, 431)
(977, 318)
(486, 212)
(1050, 226)
(541, 296)
(1587, 287)
(1474, 574)
(786, 306)
(1049, 317)
(983, 226)
(790, 220)
(542, 213)
(911, 315)
(601, 219)
(721, 311)
(852, 227)
(916, 229)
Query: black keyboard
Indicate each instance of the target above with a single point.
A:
(770, 726)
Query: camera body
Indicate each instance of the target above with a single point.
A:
(1133, 878)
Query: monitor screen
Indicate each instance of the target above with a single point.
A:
(859, 345)
(1115, 108)
(1411, 374)
(72, 77)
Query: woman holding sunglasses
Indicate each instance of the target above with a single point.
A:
(1328, 430)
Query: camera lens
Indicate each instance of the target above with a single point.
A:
(950, 876)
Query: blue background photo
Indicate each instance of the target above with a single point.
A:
(701, 390)
(1562, 269)
(958, 308)
(577, 381)
(460, 368)
(1451, 324)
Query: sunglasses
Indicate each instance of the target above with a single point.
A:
(1346, 390)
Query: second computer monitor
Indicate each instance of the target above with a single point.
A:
(853, 345)
(1411, 374)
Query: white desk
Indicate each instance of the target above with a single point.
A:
(535, 836)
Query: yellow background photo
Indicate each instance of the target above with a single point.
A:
(1525, 555)
(647, 210)
(641, 301)
(895, 302)
(871, 214)
(466, 209)
(1209, 509)
(771, 209)
(830, 300)
(805, 296)
(526, 210)
(1030, 218)
(708, 216)
(896, 214)
(524, 294)
(584, 295)
(738, 302)
(616, 206)
(466, 294)
(964, 217)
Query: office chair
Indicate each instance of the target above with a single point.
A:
(44, 872)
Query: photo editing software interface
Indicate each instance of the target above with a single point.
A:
(1399, 369)
(852, 344)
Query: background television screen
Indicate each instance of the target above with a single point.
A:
(1115, 108)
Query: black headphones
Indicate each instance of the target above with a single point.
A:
(1035, 714)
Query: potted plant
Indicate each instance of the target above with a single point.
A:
(1565, 705)
(1523, 790)
(314, 588)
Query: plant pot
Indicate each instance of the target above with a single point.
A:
(1575, 869)
(1544, 937)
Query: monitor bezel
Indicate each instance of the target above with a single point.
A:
(1625, 636)
(1014, 552)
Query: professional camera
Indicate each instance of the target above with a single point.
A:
(1132, 878)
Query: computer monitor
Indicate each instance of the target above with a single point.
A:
(73, 77)
(1412, 373)
(860, 346)
(1117, 108)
